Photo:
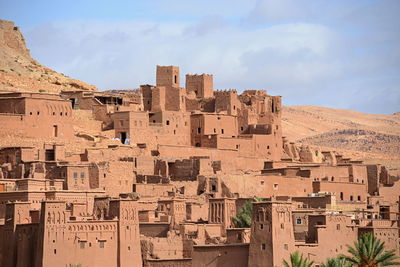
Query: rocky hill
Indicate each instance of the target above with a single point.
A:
(344, 130)
(20, 72)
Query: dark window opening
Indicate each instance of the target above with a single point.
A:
(55, 130)
(49, 155)
(199, 130)
(123, 137)
(341, 195)
(175, 79)
(167, 122)
(222, 131)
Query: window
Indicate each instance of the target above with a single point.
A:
(30, 113)
(121, 123)
(351, 198)
(38, 112)
(337, 226)
(298, 221)
(199, 130)
(222, 131)
(101, 244)
(263, 246)
(215, 130)
(286, 246)
(175, 79)
(262, 182)
(275, 186)
(241, 128)
(75, 175)
(82, 244)
(282, 226)
(359, 198)
(267, 147)
(167, 122)
(82, 175)
(341, 195)
(60, 113)
(55, 251)
(261, 226)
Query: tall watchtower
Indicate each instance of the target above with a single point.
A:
(167, 76)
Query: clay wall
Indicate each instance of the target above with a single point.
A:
(227, 101)
(267, 186)
(168, 263)
(154, 229)
(167, 76)
(238, 235)
(152, 189)
(211, 124)
(220, 255)
(342, 191)
(201, 85)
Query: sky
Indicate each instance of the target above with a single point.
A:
(339, 54)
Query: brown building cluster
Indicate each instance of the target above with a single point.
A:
(158, 181)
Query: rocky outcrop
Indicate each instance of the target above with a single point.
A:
(20, 72)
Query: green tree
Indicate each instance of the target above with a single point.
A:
(297, 260)
(369, 251)
(336, 262)
(243, 217)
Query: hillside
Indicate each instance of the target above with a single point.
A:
(343, 130)
(20, 72)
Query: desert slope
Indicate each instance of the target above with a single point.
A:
(20, 72)
(343, 129)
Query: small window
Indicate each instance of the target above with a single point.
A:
(199, 130)
(215, 130)
(263, 246)
(241, 128)
(218, 118)
(262, 182)
(53, 114)
(261, 226)
(167, 122)
(341, 195)
(359, 198)
(286, 246)
(267, 147)
(276, 186)
(55, 251)
(351, 198)
(75, 175)
(121, 123)
(298, 221)
(82, 245)
(101, 244)
(282, 226)
(222, 131)
(338, 227)
(82, 175)
(38, 112)
(60, 113)
(30, 113)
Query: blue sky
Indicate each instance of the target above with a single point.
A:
(340, 54)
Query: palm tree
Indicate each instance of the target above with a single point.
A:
(243, 217)
(297, 260)
(336, 262)
(368, 251)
